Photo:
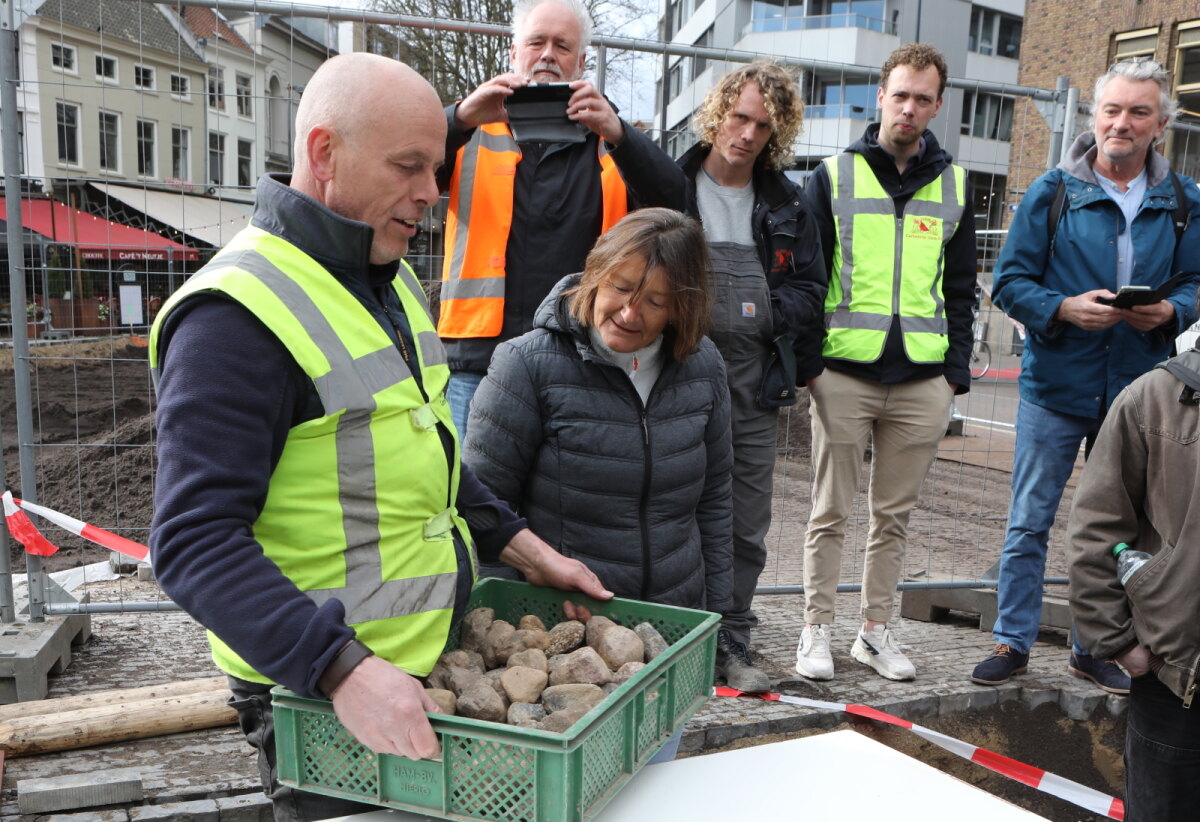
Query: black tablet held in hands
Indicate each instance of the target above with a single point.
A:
(537, 113)
(1130, 295)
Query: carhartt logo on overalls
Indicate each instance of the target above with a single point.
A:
(923, 228)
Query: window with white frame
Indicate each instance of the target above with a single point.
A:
(245, 163)
(62, 57)
(181, 152)
(180, 85)
(67, 115)
(145, 147)
(216, 88)
(987, 116)
(106, 68)
(216, 158)
(699, 64)
(143, 77)
(1187, 61)
(245, 104)
(675, 80)
(1184, 147)
(110, 141)
(994, 33)
(1139, 43)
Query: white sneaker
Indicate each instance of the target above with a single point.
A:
(878, 649)
(813, 659)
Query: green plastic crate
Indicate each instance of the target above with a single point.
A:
(500, 772)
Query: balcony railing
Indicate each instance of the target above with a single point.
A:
(847, 110)
(825, 21)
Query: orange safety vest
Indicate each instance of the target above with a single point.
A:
(485, 170)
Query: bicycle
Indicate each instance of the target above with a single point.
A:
(981, 352)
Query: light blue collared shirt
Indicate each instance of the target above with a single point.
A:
(1129, 202)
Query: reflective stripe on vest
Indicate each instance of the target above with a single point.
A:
(885, 266)
(485, 170)
(391, 559)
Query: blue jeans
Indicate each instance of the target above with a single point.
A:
(459, 392)
(1162, 755)
(1043, 458)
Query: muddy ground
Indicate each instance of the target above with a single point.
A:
(92, 421)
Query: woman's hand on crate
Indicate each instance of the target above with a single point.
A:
(384, 708)
(542, 565)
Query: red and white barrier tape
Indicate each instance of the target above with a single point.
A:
(25, 532)
(1073, 792)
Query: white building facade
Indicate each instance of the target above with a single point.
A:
(980, 40)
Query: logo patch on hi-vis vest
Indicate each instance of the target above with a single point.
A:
(923, 228)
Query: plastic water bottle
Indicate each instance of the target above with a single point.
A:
(1128, 561)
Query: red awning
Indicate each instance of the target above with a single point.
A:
(97, 238)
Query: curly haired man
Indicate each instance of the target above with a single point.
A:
(769, 281)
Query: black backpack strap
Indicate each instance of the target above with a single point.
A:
(1056, 211)
(1182, 216)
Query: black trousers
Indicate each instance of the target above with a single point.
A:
(252, 702)
(1162, 755)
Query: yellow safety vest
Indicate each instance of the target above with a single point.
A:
(473, 269)
(884, 265)
(361, 505)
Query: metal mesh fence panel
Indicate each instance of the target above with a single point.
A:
(143, 128)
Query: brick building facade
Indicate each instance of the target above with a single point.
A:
(1079, 40)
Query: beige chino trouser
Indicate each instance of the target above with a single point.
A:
(906, 422)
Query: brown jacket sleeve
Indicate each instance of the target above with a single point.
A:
(1108, 509)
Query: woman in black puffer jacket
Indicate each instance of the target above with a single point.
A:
(607, 426)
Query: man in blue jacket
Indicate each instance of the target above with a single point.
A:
(1124, 218)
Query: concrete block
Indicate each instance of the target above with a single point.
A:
(967, 700)
(791, 724)
(928, 605)
(1035, 697)
(692, 742)
(31, 651)
(84, 790)
(723, 735)
(251, 807)
(121, 564)
(1012, 694)
(912, 708)
(1079, 706)
(1116, 705)
(200, 810)
(145, 572)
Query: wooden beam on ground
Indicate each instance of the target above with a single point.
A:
(42, 707)
(105, 724)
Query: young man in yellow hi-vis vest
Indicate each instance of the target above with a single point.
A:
(524, 215)
(898, 233)
(311, 509)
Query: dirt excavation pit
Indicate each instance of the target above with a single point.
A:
(1088, 752)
